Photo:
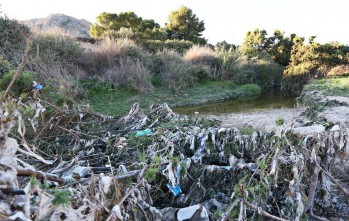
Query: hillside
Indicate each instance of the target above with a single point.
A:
(60, 23)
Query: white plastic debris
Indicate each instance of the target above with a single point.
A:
(188, 212)
(115, 212)
(106, 183)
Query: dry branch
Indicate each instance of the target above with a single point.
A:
(260, 211)
(338, 184)
(40, 175)
(312, 190)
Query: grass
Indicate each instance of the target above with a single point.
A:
(118, 102)
(246, 130)
(330, 86)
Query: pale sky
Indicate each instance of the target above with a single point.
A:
(227, 20)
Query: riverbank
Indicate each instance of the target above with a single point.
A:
(118, 102)
(263, 120)
(323, 105)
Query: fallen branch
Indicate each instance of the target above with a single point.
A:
(11, 191)
(338, 184)
(54, 106)
(70, 132)
(129, 192)
(40, 175)
(226, 213)
(312, 189)
(32, 154)
(311, 214)
(260, 211)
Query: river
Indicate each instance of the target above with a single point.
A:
(270, 100)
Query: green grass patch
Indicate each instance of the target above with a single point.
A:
(118, 102)
(330, 86)
(246, 130)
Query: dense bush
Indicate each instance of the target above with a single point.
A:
(312, 61)
(55, 60)
(4, 65)
(129, 73)
(265, 73)
(54, 57)
(202, 55)
(108, 52)
(176, 73)
(227, 59)
(24, 83)
(339, 70)
(12, 45)
(55, 47)
(243, 68)
(180, 46)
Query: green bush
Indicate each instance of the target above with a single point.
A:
(239, 66)
(55, 47)
(227, 59)
(4, 65)
(279, 121)
(23, 84)
(180, 46)
(266, 74)
(250, 89)
(12, 44)
(295, 77)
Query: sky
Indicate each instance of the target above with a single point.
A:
(227, 20)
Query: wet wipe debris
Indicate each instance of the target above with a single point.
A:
(157, 165)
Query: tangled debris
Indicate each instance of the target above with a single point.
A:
(80, 165)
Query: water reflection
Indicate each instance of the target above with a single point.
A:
(271, 100)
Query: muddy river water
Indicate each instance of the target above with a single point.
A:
(266, 101)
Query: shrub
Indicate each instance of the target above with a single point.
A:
(201, 55)
(129, 73)
(4, 65)
(59, 48)
(108, 52)
(227, 59)
(267, 74)
(250, 89)
(54, 59)
(176, 73)
(279, 121)
(61, 197)
(12, 44)
(294, 77)
(180, 46)
(339, 70)
(23, 83)
(239, 66)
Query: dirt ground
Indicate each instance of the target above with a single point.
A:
(265, 120)
(260, 120)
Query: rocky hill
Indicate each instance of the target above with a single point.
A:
(60, 23)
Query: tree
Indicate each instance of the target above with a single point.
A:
(256, 39)
(278, 45)
(109, 24)
(184, 25)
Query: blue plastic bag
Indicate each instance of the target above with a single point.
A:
(37, 86)
(176, 190)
